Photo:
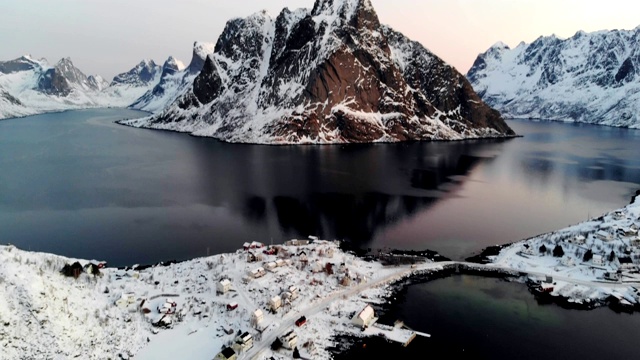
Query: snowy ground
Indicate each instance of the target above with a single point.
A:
(44, 315)
(578, 277)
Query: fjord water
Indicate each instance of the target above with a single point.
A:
(77, 184)
(472, 317)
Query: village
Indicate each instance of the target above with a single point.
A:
(569, 262)
(278, 301)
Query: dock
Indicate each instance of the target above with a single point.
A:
(398, 333)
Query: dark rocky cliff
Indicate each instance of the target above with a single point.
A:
(329, 75)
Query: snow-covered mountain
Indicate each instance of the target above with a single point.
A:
(174, 80)
(331, 74)
(29, 86)
(590, 77)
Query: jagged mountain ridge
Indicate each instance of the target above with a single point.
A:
(174, 80)
(590, 77)
(332, 74)
(29, 86)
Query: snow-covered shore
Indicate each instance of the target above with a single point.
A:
(587, 263)
(164, 312)
(45, 315)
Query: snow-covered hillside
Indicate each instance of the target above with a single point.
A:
(588, 262)
(331, 74)
(29, 86)
(174, 81)
(590, 77)
(165, 312)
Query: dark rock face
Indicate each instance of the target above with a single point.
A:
(60, 79)
(329, 75)
(144, 73)
(175, 81)
(21, 64)
(10, 98)
(590, 77)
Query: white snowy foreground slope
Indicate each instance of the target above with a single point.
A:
(45, 315)
(590, 78)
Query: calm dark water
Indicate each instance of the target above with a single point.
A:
(486, 318)
(77, 184)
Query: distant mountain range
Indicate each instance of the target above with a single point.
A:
(331, 74)
(29, 86)
(590, 77)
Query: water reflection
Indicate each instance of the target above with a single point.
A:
(89, 188)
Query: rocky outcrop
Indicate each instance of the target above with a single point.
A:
(590, 77)
(174, 81)
(143, 74)
(332, 74)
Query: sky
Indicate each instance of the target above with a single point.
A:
(107, 37)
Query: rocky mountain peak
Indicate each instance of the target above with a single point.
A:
(200, 52)
(142, 74)
(329, 75)
(23, 63)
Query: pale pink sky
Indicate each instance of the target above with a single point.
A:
(107, 37)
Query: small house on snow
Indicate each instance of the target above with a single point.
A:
(597, 260)
(257, 317)
(275, 303)
(365, 318)
(223, 286)
(289, 340)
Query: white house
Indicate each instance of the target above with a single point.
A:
(275, 303)
(244, 342)
(597, 260)
(271, 266)
(223, 286)
(604, 236)
(626, 264)
(294, 292)
(289, 340)
(365, 318)
(257, 317)
(280, 263)
(295, 242)
(258, 273)
(317, 267)
(580, 240)
(126, 300)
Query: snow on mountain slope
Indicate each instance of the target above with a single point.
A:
(174, 80)
(29, 87)
(332, 74)
(590, 77)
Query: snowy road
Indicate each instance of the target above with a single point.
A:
(288, 322)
